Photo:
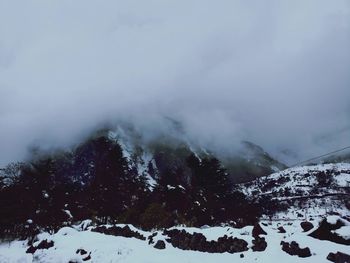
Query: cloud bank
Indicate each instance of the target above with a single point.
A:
(274, 72)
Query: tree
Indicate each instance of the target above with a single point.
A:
(113, 186)
(211, 188)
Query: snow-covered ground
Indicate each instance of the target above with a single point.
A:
(108, 248)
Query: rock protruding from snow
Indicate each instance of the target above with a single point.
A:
(293, 249)
(306, 226)
(327, 230)
(257, 230)
(281, 229)
(198, 242)
(118, 231)
(259, 244)
(81, 251)
(339, 257)
(42, 245)
(160, 244)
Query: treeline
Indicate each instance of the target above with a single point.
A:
(95, 181)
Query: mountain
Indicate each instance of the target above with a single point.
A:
(250, 162)
(246, 163)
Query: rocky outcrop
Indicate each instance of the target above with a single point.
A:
(160, 244)
(81, 251)
(257, 230)
(259, 244)
(306, 226)
(293, 249)
(281, 229)
(42, 245)
(150, 238)
(198, 242)
(339, 257)
(118, 231)
(324, 232)
(87, 258)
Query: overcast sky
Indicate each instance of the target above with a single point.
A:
(274, 72)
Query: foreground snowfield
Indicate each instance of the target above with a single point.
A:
(107, 248)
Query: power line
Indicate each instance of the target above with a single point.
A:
(320, 156)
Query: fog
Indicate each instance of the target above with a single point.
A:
(273, 72)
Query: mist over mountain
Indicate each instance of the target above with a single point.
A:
(273, 73)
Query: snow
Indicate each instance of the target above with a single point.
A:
(11, 252)
(275, 168)
(68, 213)
(302, 184)
(343, 180)
(332, 219)
(213, 233)
(181, 187)
(129, 149)
(343, 232)
(107, 248)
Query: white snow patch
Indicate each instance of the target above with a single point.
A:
(343, 232)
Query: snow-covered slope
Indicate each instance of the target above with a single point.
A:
(306, 191)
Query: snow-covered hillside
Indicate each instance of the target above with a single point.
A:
(306, 191)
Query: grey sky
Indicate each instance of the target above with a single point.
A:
(274, 72)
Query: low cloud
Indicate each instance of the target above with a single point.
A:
(276, 73)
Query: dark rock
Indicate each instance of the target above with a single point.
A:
(160, 244)
(241, 255)
(324, 232)
(257, 230)
(304, 252)
(293, 249)
(299, 215)
(306, 226)
(81, 251)
(259, 244)
(198, 242)
(281, 229)
(31, 250)
(118, 231)
(42, 245)
(331, 257)
(87, 258)
(339, 257)
(150, 238)
(45, 244)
